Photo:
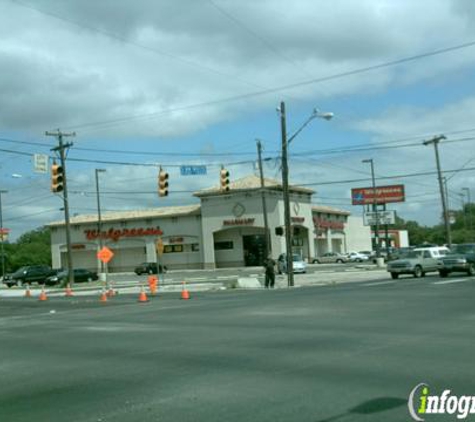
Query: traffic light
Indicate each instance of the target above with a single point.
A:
(224, 175)
(57, 178)
(162, 183)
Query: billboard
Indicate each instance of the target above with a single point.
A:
(383, 195)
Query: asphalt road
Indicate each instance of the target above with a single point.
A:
(349, 352)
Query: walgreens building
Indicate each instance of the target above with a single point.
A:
(225, 229)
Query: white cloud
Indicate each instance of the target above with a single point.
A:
(70, 64)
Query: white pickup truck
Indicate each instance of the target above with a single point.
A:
(418, 262)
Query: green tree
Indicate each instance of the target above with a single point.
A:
(31, 248)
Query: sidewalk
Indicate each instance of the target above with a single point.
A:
(319, 278)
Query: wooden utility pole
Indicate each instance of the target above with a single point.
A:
(267, 243)
(62, 156)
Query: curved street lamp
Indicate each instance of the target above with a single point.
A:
(285, 181)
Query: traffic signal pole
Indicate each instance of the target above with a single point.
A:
(62, 156)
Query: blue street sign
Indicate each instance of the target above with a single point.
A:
(193, 170)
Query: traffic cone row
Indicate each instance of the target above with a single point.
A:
(105, 294)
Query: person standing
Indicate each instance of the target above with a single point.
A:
(270, 273)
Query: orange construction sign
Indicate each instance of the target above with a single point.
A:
(105, 254)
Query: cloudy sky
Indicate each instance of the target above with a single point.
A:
(146, 83)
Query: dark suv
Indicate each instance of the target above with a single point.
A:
(149, 268)
(30, 274)
(460, 259)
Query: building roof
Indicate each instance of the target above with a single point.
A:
(250, 182)
(136, 214)
(329, 210)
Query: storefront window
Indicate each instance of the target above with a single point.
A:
(172, 248)
(222, 246)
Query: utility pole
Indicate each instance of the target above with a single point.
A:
(462, 199)
(285, 181)
(435, 141)
(267, 243)
(285, 192)
(62, 156)
(2, 233)
(469, 207)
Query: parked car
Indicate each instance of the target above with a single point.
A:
(357, 257)
(149, 268)
(298, 264)
(330, 258)
(460, 259)
(30, 274)
(418, 262)
(80, 275)
(6, 278)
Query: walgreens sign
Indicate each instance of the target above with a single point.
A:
(380, 195)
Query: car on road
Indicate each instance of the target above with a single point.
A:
(330, 258)
(149, 268)
(357, 257)
(460, 259)
(298, 264)
(30, 274)
(80, 275)
(418, 262)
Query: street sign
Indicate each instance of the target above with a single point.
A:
(382, 195)
(193, 170)
(105, 254)
(40, 163)
(372, 218)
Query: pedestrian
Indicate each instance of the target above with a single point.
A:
(269, 265)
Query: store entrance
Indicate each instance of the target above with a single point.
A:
(254, 248)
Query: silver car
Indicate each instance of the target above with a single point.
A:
(330, 258)
(298, 264)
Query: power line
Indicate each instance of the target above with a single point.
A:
(280, 88)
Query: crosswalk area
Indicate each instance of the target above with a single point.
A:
(434, 282)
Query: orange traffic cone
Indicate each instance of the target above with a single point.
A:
(103, 297)
(43, 296)
(27, 291)
(185, 294)
(142, 295)
(68, 292)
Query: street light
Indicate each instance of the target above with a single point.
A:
(469, 207)
(2, 233)
(375, 207)
(99, 220)
(285, 181)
